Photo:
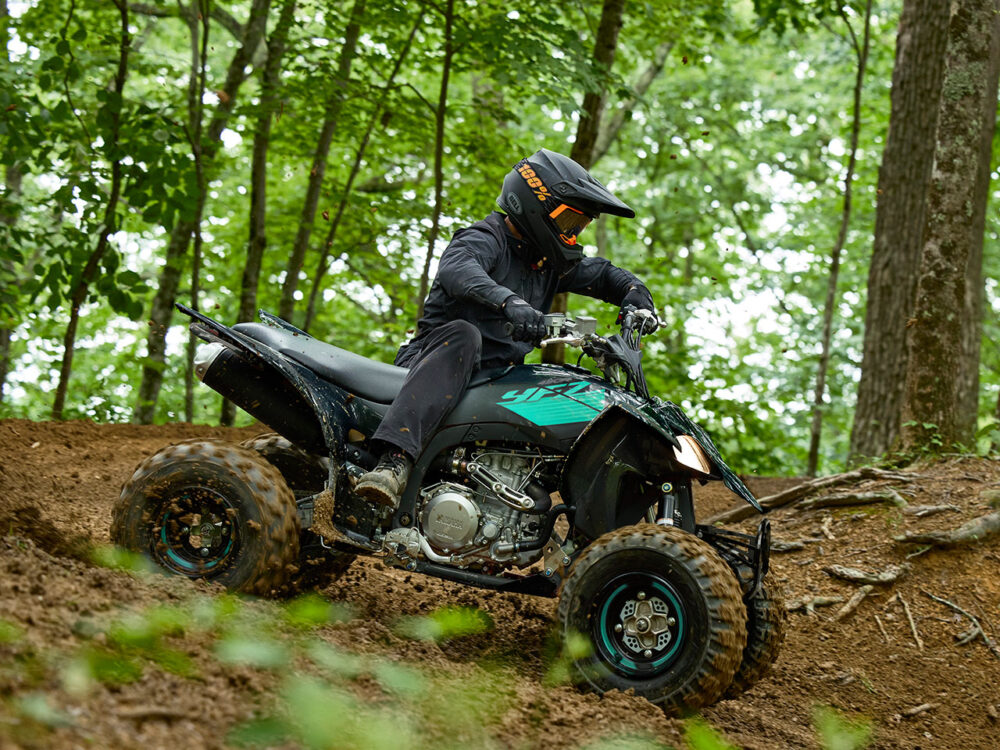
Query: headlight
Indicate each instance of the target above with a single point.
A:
(691, 455)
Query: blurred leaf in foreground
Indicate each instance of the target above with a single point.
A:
(252, 652)
(313, 611)
(837, 733)
(700, 736)
(10, 632)
(37, 707)
(117, 558)
(445, 623)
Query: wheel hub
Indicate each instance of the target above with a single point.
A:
(196, 535)
(645, 624)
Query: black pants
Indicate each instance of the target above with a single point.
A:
(440, 370)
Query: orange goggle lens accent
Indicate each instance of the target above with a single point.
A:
(569, 222)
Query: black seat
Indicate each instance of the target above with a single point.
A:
(374, 381)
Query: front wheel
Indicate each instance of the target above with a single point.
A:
(766, 619)
(209, 509)
(663, 615)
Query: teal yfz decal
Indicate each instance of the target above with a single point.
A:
(564, 403)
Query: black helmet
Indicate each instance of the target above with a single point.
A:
(550, 198)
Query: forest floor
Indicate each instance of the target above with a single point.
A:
(93, 656)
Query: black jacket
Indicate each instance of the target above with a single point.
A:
(484, 265)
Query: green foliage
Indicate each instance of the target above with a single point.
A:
(733, 158)
(837, 733)
(701, 736)
(446, 623)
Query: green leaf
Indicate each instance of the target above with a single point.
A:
(836, 733)
(261, 652)
(37, 707)
(263, 732)
(445, 623)
(312, 611)
(10, 632)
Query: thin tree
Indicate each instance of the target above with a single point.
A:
(931, 419)
(81, 285)
(591, 112)
(12, 187)
(331, 118)
(861, 52)
(269, 100)
(439, 135)
(196, 114)
(161, 311)
(373, 118)
(902, 187)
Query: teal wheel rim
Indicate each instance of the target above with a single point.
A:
(198, 535)
(639, 625)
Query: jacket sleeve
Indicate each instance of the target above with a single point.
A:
(464, 270)
(598, 278)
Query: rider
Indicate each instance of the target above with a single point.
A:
(485, 309)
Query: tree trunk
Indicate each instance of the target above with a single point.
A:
(995, 443)
(12, 184)
(333, 107)
(196, 111)
(355, 168)
(861, 51)
(257, 242)
(589, 127)
(439, 124)
(931, 420)
(902, 188)
(89, 272)
(162, 308)
(972, 332)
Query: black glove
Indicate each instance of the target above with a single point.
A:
(639, 298)
(528, 323)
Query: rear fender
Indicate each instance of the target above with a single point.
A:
(322, 410)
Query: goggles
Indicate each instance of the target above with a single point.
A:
(569, 222)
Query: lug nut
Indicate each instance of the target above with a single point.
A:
(618, 628)
(641, 595)
(647, 653)
(204, 551)
(671, 622)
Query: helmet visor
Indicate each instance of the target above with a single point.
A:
(569, 222)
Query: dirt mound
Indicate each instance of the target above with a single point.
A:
(895, 663)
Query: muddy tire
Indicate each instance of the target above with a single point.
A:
(766, 618)
(305, 474)
(211, 510)
(662, 612)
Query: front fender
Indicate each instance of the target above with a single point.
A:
(617, 464)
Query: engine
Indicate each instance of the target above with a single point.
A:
(482, 521)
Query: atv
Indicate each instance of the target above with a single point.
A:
(544, 480)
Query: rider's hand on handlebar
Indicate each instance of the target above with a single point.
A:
(528, 323)
(639, 298)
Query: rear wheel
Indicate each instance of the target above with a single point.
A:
(209, 509)
(662, 613)
(305, 474)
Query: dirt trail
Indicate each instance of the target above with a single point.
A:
(58, 482)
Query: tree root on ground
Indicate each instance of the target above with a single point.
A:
(976, 631)
(890, 575)
(854, 498)
(807, 488)
(971, 531)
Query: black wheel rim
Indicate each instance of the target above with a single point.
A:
(639, 623)
(198, 534)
